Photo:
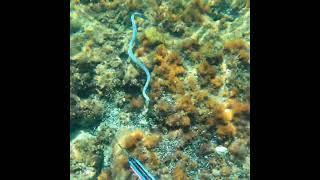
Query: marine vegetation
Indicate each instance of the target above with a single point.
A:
(159, 88)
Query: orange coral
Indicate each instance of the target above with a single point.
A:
(192, 82)
(244, 55)
(216, 107)
(205, 69)
(239, 47)
(154, 161)
(104, 175)
(179, 174)
(136, 103)
(189, 136)
(210, 122)
(185, 103)
(151, 140)
(217, 82)
(178, 120)
(226, 130)
(121, 162)
(238, 107)
(140, 51)
(238, 148)
(169, 67)
(235, 45)
(201, 95)
(131, 140)
(162, 106)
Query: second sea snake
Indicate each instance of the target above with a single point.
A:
(135, 59)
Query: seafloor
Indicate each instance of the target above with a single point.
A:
(197, 124)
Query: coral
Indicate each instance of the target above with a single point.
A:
(205, 69)
(104, 175)
(131, 75)
(201, 95)
(178, 120)
(169, 67)
(205, 149)
(185, 103)
(150, 141)
(198, 54)
(238, 148)
(85, 156)
(132, 139)
(85, 112)
(227, 115)
(226, 130)
(136, 103)
(217, 82)
(153, 36)
(238, 107)
(179, 174)
(162, 106)
(238, 47)
(107, 78)
(225, 171)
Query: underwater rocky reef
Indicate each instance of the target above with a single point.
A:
(197, 122)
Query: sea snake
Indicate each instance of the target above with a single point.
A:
(135, 59)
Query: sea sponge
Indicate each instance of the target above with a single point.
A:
(150, 141)
(227, 115)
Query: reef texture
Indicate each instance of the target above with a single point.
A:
(198, 121)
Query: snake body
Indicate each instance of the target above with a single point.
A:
(135, 59)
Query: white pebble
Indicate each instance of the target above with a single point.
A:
(221, 150)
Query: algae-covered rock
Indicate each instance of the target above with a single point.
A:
(85, 157)
(85, 113)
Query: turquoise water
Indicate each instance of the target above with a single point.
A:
(170, 90)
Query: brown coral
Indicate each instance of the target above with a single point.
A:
(150, 141)
(131, 140)
(178, 120)
(185, 103)
(179, 174)
(226, 130)
(168, 67)
(136, 103)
